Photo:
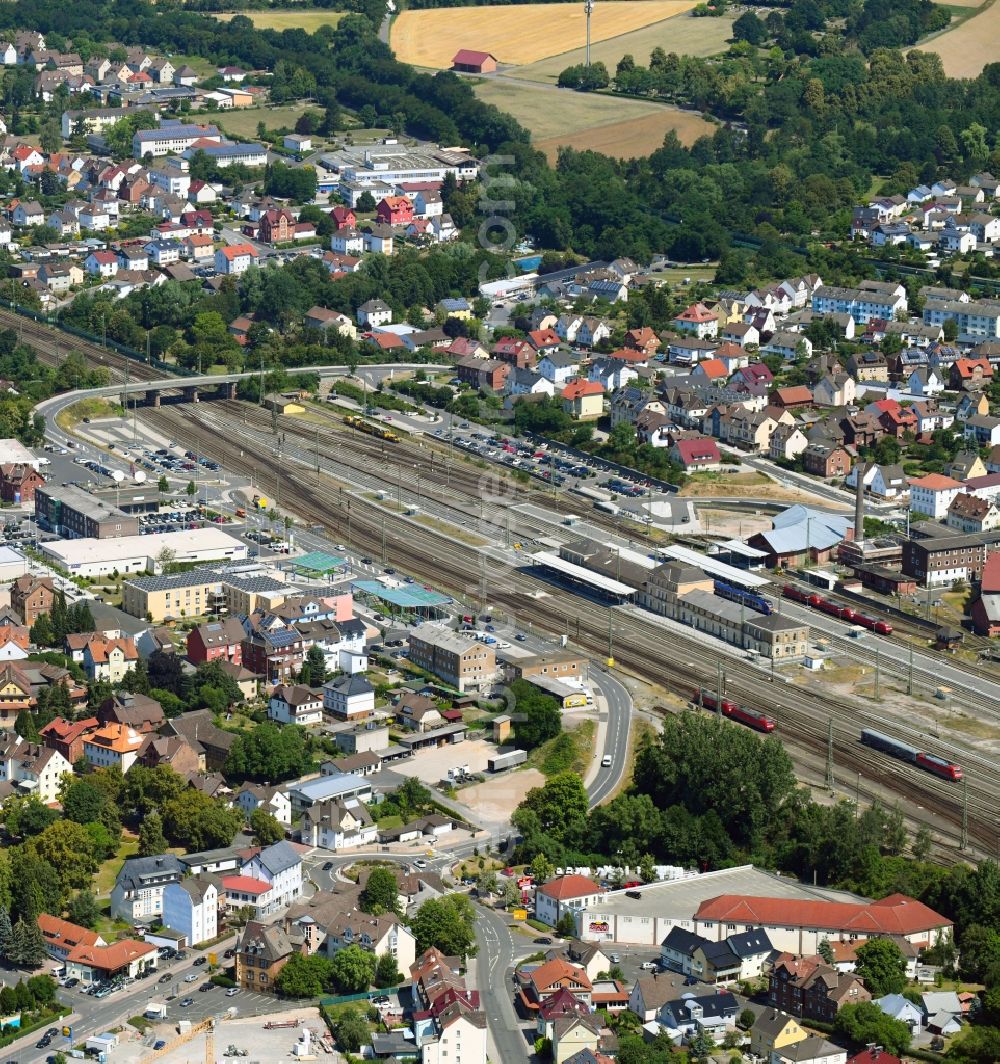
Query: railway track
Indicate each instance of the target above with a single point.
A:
(53, 345)
(670, 659)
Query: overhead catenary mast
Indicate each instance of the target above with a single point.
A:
(588, 6)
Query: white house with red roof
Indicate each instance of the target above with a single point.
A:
(101, 264)
(800, 925)
(236, 259)
(696, 454)
(933, 494)
(564, 894)
(698, 321)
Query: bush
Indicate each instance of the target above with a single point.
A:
(223, 980)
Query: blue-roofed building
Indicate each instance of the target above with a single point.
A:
(171, 138)
(306, 794)
(456, 308)
(801, 534)
(232, 154)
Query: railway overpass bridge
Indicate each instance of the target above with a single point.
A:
(217, 386)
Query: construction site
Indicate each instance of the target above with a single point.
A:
(297, 1034)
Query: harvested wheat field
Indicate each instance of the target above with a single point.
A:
(522, 33)
(308, 19)
(967, 48)
(634, 136)
(681, 33)
(613, 125)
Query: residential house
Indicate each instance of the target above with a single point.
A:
(108, 660)
(565, 894)
(697, 320)
(101, 264)
(592, 331)
(982, 429)
(18, 482)
(349, 697)
(113, 746)
(67, 737)
(966, 465)
(337, 824)
(835, 389)
(262, 952)
(583, 399)
(557, 366)
(811, 1050)
(774, 1031)
(972, 514)
(373, 314)
(139, 885)
(924, 382)
(697, 453)
(31, 596)
(787, 443)
(881, 481)
(191, 908)
(691, 1015)
(868, 366)
(970, 374)
(933, 494)
(900, 1008)
(826, 459)
(217, 640)
(486, 374)
(272, 800)
(235, 259)
(296, 704)
(807, 986)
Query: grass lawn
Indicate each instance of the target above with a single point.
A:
(389, 822)
(304, 18)
(244, 123)
(106, 874)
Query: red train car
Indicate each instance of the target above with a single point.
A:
(796, 595)
(945, 769)
(705, 698)
(751, 718)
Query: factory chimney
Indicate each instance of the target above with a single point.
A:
(859, 503)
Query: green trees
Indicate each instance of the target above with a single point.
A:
(313, 672)
(748, 27)
(197, 822)
(381, 892)
(554, 816)
(387, 971)
(83, 909)
(27, 946)
(708, 767)
(152, 841)
(267, 754)
(351, 1030)
(866, 1023)
(566, 926)
(352, 970)
(537, 716)
(265, 827)
(981, 954)
(304, 977)
(882, 966)
(448, 923)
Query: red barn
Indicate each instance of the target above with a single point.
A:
(468, 61)
(395, 210)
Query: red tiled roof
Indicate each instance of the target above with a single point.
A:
(571, 886)
(579, 387)
(544, 338)
(111, 958)
(62, 933)
(691, 451)
(990, 580)
(697, 312)
(245, 884)
(713, 368)
(935, 482)
(469, 57)
(236, 250)
(895, 915)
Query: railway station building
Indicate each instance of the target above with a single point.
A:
(683, 592)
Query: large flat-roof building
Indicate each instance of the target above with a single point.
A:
(645, 915)
(76, 514)
(140, 554)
